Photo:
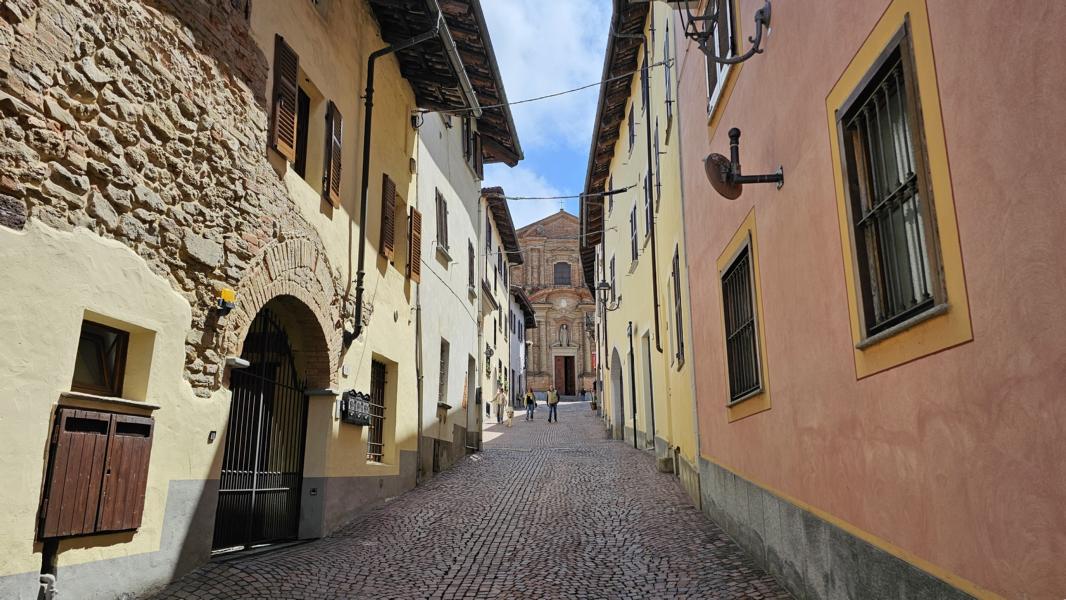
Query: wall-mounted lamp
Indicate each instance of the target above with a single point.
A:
(226, 301)
(702, 29)
(724, 174)
(603, 288)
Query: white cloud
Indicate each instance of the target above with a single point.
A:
(521, 181)
(547, 46)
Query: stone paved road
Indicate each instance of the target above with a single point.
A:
(546, 511)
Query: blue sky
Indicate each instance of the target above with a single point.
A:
(543, 47)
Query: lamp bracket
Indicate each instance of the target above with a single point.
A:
(725, 174)
(702, 36)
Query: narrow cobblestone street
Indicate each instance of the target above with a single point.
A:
(546, 511)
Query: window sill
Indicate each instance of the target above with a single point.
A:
(633, 266)
(109, 401)
(748, 396)
(442, 252)
(935, 311)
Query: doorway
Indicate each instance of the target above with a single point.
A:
(649, 394)
(262, 464)
(565, 375)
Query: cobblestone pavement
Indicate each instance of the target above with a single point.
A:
(546, 511)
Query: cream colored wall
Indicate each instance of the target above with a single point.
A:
(60, 277)
(333, 44)
(501, 350)
(672, 387)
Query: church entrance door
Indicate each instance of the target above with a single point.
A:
(565, 375)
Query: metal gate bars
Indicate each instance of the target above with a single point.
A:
(262, 467)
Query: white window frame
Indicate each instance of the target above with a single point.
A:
(722, 71)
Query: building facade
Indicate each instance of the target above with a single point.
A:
(499, 251)
(520, 320)
(232, 274)
(634, 243)
(562, 353)
(879, 383)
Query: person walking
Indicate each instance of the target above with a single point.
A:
(498, 402)
(531, 404)
(553, 404)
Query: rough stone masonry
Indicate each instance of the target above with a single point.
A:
(146, 122)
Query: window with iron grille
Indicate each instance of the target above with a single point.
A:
(896, 249)
(442, 220)
(633, 234)
(375, 439)
(561, 273)
(741, 329)
(722, 43)
(679, 334)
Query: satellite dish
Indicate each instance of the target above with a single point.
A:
(718, 168)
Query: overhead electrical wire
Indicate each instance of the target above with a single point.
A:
(575, 196)
(554, 95)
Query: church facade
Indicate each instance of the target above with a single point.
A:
(560, 350)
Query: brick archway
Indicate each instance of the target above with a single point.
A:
(294, 271)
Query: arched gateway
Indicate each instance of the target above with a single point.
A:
(285, 328)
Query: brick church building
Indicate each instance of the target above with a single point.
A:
(560, 352)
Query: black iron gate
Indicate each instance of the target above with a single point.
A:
(262, 467)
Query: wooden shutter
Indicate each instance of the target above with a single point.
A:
(286, 87)
(126, 473)
(331, 178)
(388, 217)
(470, 267)
(75, 473)
(97, 474)
(414, 246)
(479, 159)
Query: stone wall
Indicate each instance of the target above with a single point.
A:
(147, 122)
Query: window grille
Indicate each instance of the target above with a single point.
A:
(442, 387)
(375, 444)
(889, 198)
(562, 273)
(742, 339)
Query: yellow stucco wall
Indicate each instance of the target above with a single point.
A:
(333, 46)
(54, 279)
(671, 379)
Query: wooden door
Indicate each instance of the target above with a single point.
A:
(570, 387)
(560, 373)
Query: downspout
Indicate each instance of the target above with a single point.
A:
(474, 407)
(440, 30)
(632, 383)
(419, 370)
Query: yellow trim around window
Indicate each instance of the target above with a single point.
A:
(760, 401)
(953, 326)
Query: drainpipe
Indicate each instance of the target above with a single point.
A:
(440, 29)
(632, 383)
(419, 369)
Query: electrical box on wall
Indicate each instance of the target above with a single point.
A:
(355, 408)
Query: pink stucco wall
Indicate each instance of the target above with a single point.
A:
(958, 457)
